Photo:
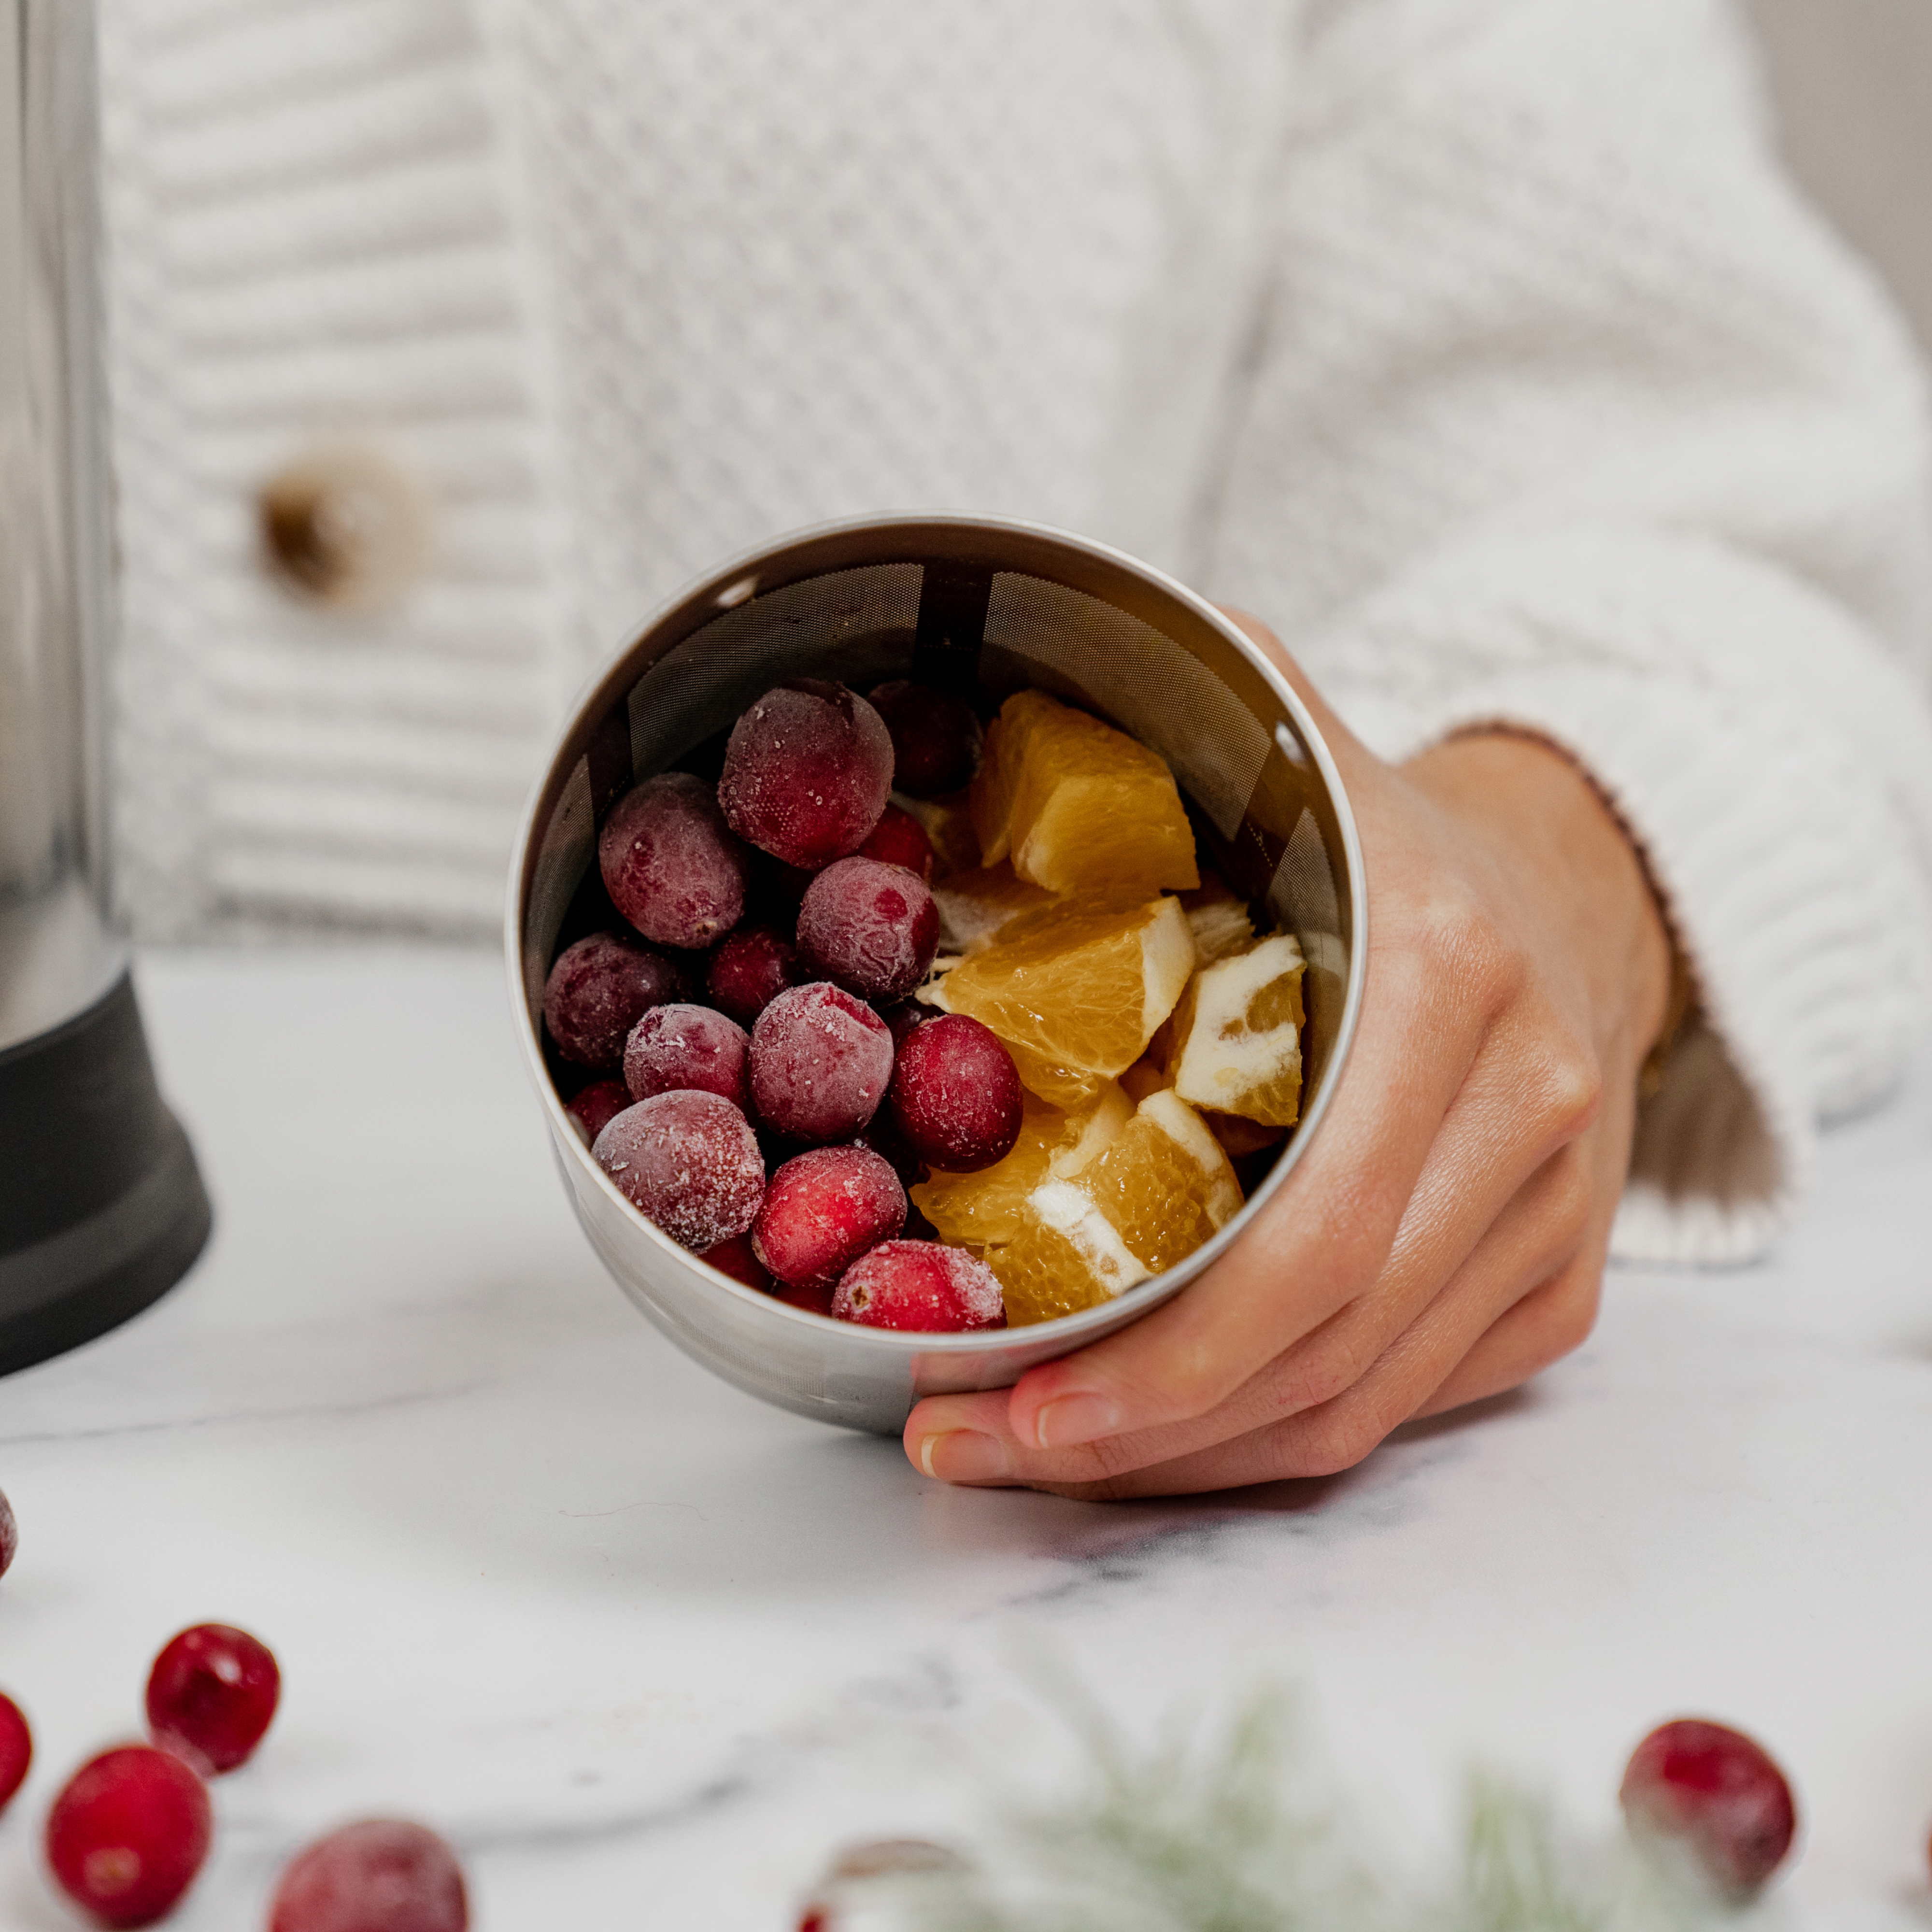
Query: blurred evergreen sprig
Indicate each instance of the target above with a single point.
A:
(1226, 1830)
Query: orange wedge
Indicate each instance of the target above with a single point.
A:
(1235, 1044)
(1080, 807)
(1159, 1188)
(978, 1209)
(1075, 991)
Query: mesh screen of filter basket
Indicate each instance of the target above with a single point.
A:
(1063, 640)
(856, 626)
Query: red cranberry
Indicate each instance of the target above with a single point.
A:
(872, 928)
(16, 1748)
(956, 1094)
(597, 1106)
(687, 1161)
(918, 1286)
(899, 839)
(738, 1258)
(824, 1210)
(381, 1875)
(10, 1534)
(211, 1695)
(807, 771)
(688, 1047)
(671, 865)
(750, 970)
(126, 1836)
(1716, 1794)
(598, 989)
(935, 737)
(821, 1062)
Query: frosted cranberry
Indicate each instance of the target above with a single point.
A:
(899, 839)
(671, 864)
(16, 1748)
(872, 928)
(381, 1875)
(956, 1094)
(688, 1047)
(824, 1210)
(1714, 1793)
(807, 771)
(211, 1695)
(126, 1836)
(921, 1286)
(750, 970)
(935, 737)
(820, 1063)
(598, 989)
(737, 1258)
(687, 1161)
(597, 1106)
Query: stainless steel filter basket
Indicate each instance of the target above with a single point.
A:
(985, 607)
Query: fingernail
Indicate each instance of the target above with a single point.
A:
(963, 1455)
(1074, 1419)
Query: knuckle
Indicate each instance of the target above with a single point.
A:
(1569, 1089)
(1335, 1438)
(1568, 1198)
(1314, 1375)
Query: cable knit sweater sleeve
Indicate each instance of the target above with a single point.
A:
(1568, 416)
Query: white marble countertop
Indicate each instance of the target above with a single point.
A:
(641, 1646)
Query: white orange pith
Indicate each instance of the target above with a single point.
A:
(1235, 1040)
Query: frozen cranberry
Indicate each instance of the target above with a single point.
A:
(918, 1285)
(687, 1161)
(899, 839)
(16, 1748)
(737, 1258)
(211, 1695)
(597, 1106)
(750, 970)
(872, 928)
(10, 1534)
(688, 1047)
(1714, 1793)
(821, 1062)
(935, 737)
(806, 773)
(824, 1210)
(671, 864)
(956, 1094)
(598, 989)
(126, 1836)
(381, 1875)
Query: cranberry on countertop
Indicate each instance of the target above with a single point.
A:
(1712, 1792)
(210, 1696)
(127, 1835)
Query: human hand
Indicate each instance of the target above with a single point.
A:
(1444, 1236)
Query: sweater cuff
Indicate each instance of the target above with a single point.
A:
(1791, 862)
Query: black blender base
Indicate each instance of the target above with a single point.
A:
(102, 1210)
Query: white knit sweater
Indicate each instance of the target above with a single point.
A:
(1474, 344)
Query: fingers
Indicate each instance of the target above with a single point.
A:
(1249, 1439)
